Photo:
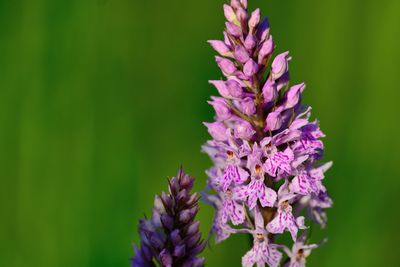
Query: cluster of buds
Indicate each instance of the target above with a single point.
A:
(266, 178)
(171, 237)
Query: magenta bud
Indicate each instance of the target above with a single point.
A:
(193, 240)
(236, 4)
(234, 88)
(250, 42)
(254, 19)
(221, 108)
(274, 121)
(266, 49)
(242, 15)
(244, 130)
(293, 95)
(229, 13)
(221, 88)
(280, 65)
(175, 237)
(241, 54)
(247, 106)
(166, 258)
(250, 68)
(167, 221)
(182, 195)
(263, 30)
(220, 46)
(155, 240)
(233, 29)
(179, 251)
(217, 130)
(225, 65)
(193, 228)
(269, 91)
(282, 81)
(226, 39)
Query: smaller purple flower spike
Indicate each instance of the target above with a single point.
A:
(171, 237)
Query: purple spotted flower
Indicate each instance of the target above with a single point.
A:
(171, 237)
(263, 251)
(284, 219)
(266, 179)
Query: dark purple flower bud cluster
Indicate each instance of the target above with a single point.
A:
(171, 237)
(266, 176)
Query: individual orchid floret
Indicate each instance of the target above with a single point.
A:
(299, 252)
(280, 65)
(279, 162)
(263, 251)
(171, 237)
(308, 182)
(221, 108)
(227, 66)
(221, 47)
(284, 219)
(265, 150)
(231, 209)
(256, 190)
(233, 173)
(217, 130)
(244, 130)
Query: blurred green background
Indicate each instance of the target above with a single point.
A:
(101, 100)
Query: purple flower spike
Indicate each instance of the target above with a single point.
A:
(170, 238)
(262, 137)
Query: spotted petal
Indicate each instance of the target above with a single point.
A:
(233, 173)
(233, 211)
